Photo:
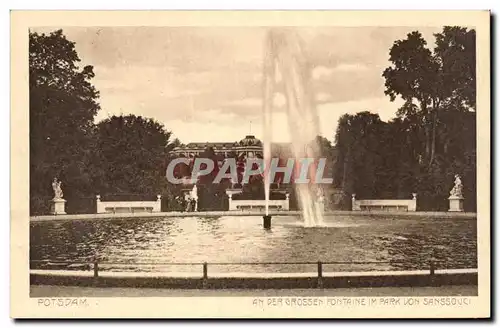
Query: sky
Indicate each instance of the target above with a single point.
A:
(205, 83)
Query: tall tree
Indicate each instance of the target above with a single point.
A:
(63, 103)
(414, 76)
(433, 82)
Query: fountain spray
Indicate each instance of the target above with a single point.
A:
(285, 53)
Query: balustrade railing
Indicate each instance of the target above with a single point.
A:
(95, 265)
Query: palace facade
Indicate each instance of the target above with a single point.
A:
(248, 147)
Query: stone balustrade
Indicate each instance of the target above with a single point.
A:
(409, 205)
(128, 206)
(257, 204)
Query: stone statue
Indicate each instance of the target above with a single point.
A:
(456, 191)
(194, 192)
(56, 186)
(194, 197)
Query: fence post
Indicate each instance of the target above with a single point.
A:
(432, 268)
(96, 269)
(320, 275)
(205, 275)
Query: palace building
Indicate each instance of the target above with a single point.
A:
(248, 147)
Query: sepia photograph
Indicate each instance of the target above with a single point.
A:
(299, 165)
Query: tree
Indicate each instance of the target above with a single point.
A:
(433, 82)
(455, 52)
(174, 144)
(324, 147)
(413, 76)
(360, 158)
(63, 104)
(130, 156)
(439, 89)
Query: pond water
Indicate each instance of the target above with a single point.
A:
(153, 244)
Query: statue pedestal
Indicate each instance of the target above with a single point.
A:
(57, 206)
(456, 204)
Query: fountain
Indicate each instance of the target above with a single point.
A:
(285, 55)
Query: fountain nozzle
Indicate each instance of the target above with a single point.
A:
(267, 221)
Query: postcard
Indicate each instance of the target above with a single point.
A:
(250, 164)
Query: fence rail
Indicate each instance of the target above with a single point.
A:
(95, 264)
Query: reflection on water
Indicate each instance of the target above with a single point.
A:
(130, 244)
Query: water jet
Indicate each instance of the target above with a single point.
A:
(285, 54)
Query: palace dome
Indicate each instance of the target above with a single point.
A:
(250, 141)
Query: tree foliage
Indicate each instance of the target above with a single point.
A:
(63, 104)
(432, 82)
(120, 155)
(381, 160)
(130, 155)
(433, 136)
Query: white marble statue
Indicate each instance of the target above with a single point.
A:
(56, 186)
(194, 195)
(456, 191)
(194, 192)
